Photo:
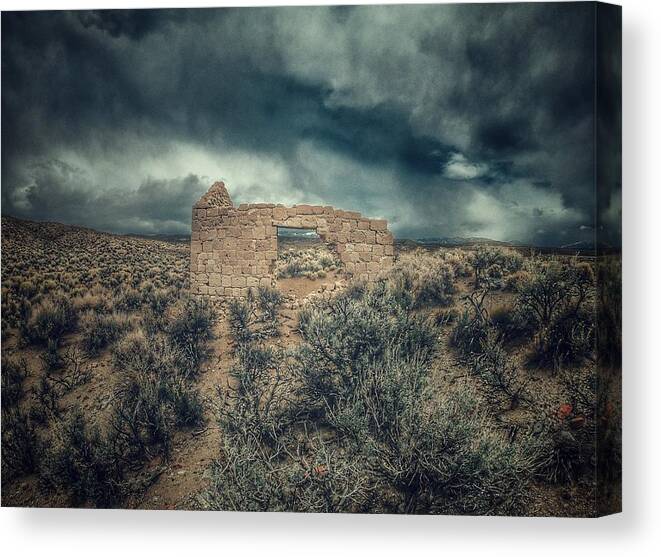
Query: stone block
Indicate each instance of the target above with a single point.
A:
(383, 238)
(238, 281)
(304, 209)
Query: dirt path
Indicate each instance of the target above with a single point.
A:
(184, 477)
(194, 451)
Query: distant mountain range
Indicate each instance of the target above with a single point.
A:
(172, 238)
(582, 246)
(462, 241)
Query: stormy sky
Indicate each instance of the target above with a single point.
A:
(448, 120)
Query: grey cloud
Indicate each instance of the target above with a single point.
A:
(61, 192)
(387, 109)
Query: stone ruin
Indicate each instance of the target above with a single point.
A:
(234, 249)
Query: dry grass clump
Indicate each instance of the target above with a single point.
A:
(429, 277)
(100, 330)
(312, 262)
(49, 321)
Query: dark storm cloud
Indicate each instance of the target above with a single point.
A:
(63, 193)
(448, 120)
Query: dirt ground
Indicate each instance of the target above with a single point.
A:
(177, 483)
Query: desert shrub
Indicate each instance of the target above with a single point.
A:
(557, 298)
(569, 339)
(564, 428)
(469, 334)
(608, 439)
(427, 278)
(435, 286)
(155, 394)
(47, 396)
(255, 404)
(144, 417)
(458, 260)
(83, 463)
(50, 320)
(21, 447)
(328, 479)
(349, 422)
(490, 264)
(129, 299)
(389, 444)
(28, 288)
(446, 316)
(190, 328)
(443, 457)
(567, 448)
(344, 335)
(71, 372)
(503, 383)
(312, 262)
(91, 301)
(516, 280)
(99, 330)
(14, 373)
(472, 326)
(256, 317)
(512, 324)
(159, 299)
(51, 358)
(133, 353)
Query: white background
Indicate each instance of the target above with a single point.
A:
(636, 531)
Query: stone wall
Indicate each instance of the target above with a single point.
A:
(235, 248)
